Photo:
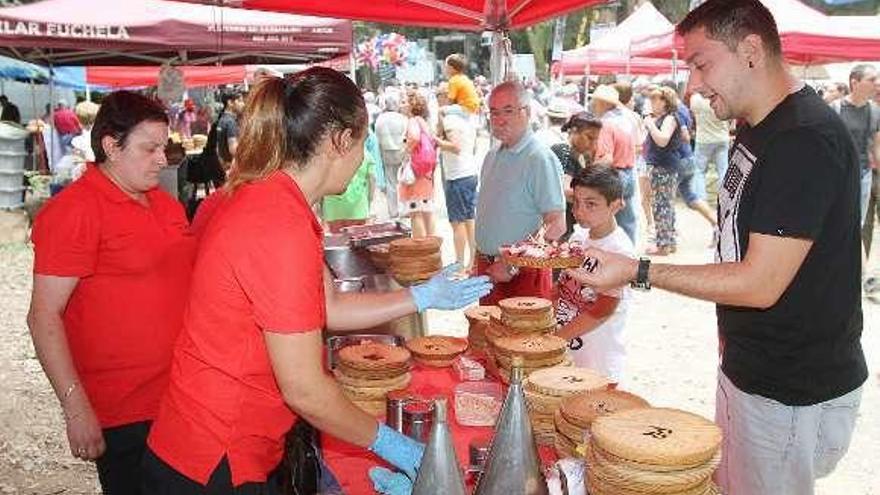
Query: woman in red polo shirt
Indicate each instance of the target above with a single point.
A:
(113, 257)
(249, 357)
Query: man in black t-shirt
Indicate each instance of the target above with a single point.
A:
(786, 281)
(227, 127)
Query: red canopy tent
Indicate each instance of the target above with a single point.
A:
(113, 32)
(610, 54)
(142, 76)
(808, 36)
(467, 15)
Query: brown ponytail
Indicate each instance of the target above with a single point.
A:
(285, 119)
(261, 140)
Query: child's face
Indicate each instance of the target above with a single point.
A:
(592, 210)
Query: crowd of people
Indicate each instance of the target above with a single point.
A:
(183, 352)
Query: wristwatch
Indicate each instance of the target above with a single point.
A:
(641, 281)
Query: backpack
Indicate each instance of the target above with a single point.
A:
(424, 155)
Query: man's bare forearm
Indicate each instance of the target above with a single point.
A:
(722, 283)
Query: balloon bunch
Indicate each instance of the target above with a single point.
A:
(391, 48)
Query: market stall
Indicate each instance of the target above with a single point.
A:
(808, 36)
(466, 15)
(611, 53)
(153, 32)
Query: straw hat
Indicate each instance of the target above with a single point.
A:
(559, 108)
(607, 94)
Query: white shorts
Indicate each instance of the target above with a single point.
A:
(770, 448)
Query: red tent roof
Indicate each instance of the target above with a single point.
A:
(808, 36)
(110, 32)
(610, 54)
(468, 15)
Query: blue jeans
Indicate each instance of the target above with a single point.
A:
(704, 154)
(687, 172)
(626, 217)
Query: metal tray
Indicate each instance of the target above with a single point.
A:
(380, 233)
(337, 342)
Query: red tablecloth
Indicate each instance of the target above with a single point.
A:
(350, 463)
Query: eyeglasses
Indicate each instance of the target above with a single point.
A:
(507, 111)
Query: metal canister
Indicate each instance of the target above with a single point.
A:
(478, 451)
(417, 419)
(394, 404)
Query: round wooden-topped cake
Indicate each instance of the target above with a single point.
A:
(531, 347)
(482, 313)
(418, 246)
(661, 436)
(525, 305)
(583, 408)
(436, 350)
(561, 382)
(372, 356)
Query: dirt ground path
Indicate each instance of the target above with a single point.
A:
(672, 362)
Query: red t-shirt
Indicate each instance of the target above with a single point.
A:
(134, 264)
(618, 143)
(259, 268)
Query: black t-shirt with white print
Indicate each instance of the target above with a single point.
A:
(795, 174)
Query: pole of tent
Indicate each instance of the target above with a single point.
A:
(629, 49)
(675, 66)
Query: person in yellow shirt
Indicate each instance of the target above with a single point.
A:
(461, 88)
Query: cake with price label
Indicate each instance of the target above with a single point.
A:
(652, 451)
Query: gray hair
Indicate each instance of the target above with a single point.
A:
(522, 96)
(392, 102)
(858, 73)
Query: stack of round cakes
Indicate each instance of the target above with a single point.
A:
(577, 412)
(545, 389)
(538, 351)
(380, 254)
(436, 350)
(527, 315)
(652, 451)
(415, 260)
(479, 318)
(368, 371)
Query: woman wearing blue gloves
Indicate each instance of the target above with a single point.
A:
(249, 357)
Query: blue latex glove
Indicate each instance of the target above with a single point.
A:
(399, 450)
(388, 483)
(443, 292)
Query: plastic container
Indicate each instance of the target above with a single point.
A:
(477, 403)
(11, 179)
(469, 370)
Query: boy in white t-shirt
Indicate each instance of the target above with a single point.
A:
(593, 322)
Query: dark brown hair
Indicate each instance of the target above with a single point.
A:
(730, 21)
(602, 179)
(581, 121)
(624, 92)
(120, 113)
(285, 119)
